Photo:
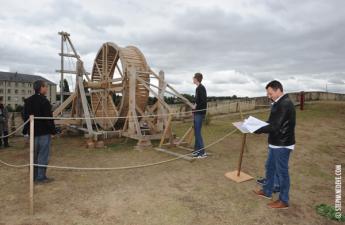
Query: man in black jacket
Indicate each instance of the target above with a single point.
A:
(281, 141)
(39, 106)
(200, 108)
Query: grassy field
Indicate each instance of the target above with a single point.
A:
(179, 192)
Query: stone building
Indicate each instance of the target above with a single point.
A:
(15, 87)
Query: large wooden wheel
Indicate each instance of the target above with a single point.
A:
(109, 81)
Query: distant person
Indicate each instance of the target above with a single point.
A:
(281, 141)
(3, 125)
(39, 106)
(199, 108)
(25, 117)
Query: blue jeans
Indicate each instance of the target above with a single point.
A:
(41, 155)
(199, 142)
(277, 164)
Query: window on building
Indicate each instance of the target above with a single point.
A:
(23, 92)
(9, 91)
(15, 84)
(9, 84)
(9, 98)
(1, 91)
(16, 91)
(1, 83)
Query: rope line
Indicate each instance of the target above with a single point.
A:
(122, 167)
(16, 130)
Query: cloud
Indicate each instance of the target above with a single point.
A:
(238, 45)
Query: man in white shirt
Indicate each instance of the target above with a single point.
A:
(281, 141)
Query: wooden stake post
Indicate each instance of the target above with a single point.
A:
(31, 170)
(237, 175)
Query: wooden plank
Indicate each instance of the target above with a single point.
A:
(61, 107)
(166, 130)
(154, 93)
(85, 106)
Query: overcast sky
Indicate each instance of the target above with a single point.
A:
(238, 45)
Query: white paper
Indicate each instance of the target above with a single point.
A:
(252, 124)
(239, 125)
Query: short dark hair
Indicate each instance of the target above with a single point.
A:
(38, 84)
(198, 77)
(274, 84)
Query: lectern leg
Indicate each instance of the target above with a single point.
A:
(244, 138)
(237, 175)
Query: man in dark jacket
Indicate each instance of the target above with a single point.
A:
(281, 141)
(39, 106)
(200, 108)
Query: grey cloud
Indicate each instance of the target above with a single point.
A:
(293, 41)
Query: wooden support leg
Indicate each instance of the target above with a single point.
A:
(237, 175)
(244, 137)
(166, 131)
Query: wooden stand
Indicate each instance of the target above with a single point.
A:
(237, 175)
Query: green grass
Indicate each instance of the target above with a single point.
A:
(329, 212)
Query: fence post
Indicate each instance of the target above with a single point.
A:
(31, 183)
(301, 101)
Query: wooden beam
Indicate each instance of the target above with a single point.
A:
(85, 106)
(63, 106)
(154, 93)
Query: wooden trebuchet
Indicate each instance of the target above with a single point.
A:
(119, 87)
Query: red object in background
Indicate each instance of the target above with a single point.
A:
(301, 100)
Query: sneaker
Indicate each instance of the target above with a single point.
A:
(261, 181)
(44, 181)
(195, 153)
(202, 156)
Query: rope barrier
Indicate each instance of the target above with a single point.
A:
(118, 168)
(15, 131)
(113, 168)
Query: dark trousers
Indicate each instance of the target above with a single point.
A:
(41, 155)
(5, 139)
(277, 164)
(199, 142)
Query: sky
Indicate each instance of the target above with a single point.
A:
(239, 46)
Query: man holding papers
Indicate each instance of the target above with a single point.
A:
(281, 141)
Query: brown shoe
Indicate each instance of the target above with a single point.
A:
(273, 202)
(261, 194)
(278, 205)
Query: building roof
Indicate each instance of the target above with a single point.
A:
(19, 77)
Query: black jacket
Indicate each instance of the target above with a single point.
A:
(38, 105)
(201, 99)
(282, 121)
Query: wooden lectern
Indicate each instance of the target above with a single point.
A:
(237, 175)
